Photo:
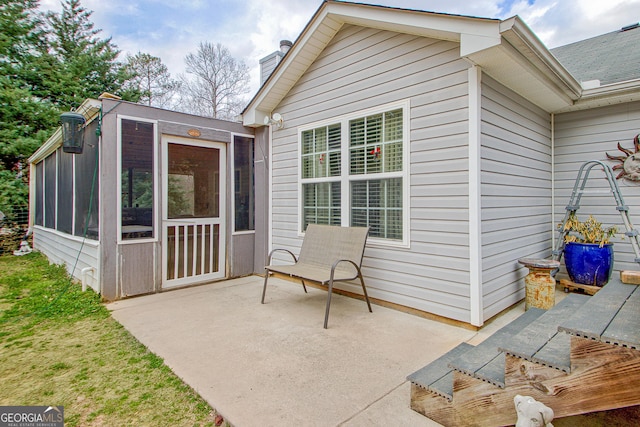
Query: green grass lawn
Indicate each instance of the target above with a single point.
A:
(60, 346)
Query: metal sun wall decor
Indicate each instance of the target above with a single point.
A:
(629, 166)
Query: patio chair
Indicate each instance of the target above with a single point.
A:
(329, 254)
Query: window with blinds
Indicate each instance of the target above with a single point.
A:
(375, 150)
(321, 153)
(353, 172)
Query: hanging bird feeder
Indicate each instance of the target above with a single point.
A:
(72, 132)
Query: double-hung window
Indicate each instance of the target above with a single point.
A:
(354, 172)
(321, 175)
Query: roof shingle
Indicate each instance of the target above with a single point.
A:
(611, 58)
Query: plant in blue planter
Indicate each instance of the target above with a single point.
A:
(588, 254)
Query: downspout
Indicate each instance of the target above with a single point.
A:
(553, 180)
(83, 274)
(32, 192)
(269, 148)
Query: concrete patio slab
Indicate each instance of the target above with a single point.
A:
(273, 364)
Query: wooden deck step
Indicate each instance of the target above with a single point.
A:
(485, 361)
(609, 316)
(541, 342)
(623, 329)
(437, 376)
(581, 356)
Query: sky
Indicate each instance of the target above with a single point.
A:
(252, 29)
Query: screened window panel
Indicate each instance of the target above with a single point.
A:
(86, 204)
(244, 194)
(137, 189)
(39, 202)
(65, 192)
(194, 185)
(50, 191)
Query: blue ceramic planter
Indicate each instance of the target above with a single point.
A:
(588, 263)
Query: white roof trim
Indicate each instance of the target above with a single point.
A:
(508, 51)
(90, 109)
(472, 33)
(611, 94)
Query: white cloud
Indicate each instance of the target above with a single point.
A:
(252, 29)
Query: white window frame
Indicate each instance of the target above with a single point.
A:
(156, 194)
(345, 178)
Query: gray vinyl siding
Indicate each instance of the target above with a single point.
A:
(61, 248)
(516, 192)
(363, 68)
(588, 135)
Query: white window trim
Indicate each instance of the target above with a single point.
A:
(345, 178)
(156, 195)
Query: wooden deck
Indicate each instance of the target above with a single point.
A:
(580, 356)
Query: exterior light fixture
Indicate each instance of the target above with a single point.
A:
(72, 132)
(276, 119)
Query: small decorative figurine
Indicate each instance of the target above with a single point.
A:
(532, 413)
(630, 164)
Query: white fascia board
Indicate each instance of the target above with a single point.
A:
(478, 33)
(611, 94)
(253, 117)
(518, 34)
(422, 23)
(264, 102)
(472, 43)
(48, 147)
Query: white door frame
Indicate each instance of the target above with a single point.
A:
(198, 224)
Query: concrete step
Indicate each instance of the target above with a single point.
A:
(541, 342)
(437, 376)
(485, 361)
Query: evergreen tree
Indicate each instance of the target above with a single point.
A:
(85, 65)
(25, 120)
(19, 30)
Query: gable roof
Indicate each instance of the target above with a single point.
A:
(610, 58)
(507, 50)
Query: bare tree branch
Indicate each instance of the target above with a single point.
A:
(214, 83)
